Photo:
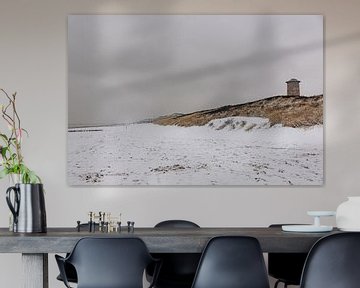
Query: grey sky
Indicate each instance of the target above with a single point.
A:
(125, 68)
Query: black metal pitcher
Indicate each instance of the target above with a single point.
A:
(28, 208)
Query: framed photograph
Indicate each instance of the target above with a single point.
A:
(195, 100)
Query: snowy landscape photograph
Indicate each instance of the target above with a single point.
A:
(195, 100)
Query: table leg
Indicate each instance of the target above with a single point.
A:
(35, 270)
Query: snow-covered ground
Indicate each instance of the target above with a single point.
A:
(228, 151)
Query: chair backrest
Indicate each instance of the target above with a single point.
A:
(110, 262)
(232, 262)
(178, 269)
(333, 262)
(176, 224)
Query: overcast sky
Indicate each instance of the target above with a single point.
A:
(125, 68)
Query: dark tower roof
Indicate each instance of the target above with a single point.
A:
(293, 80)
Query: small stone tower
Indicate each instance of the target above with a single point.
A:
(293, 87)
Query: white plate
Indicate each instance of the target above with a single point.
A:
(306, 228)
(321, 213)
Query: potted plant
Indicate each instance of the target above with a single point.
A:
(11, 159)
(26, 197)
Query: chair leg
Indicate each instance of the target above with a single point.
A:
(278, 282)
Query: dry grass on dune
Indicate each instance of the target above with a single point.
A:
(291, 111)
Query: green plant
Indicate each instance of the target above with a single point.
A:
(11, 159)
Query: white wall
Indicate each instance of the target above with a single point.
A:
(33, 62)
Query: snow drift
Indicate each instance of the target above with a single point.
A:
(227, 151)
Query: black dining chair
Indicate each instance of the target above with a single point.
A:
(286, 267)
(108, 263)
(178, 269)
(70, 271)
(333, 262)
(232, 262)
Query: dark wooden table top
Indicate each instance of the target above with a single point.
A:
(158, 240)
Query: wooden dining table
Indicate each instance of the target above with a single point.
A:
(35, 247)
